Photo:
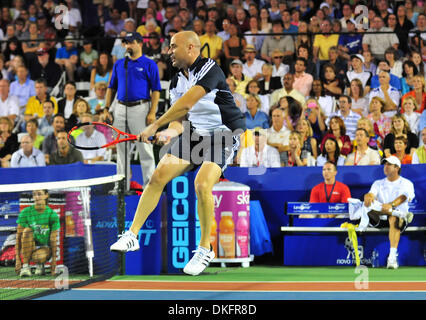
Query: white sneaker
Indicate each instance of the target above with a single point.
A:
(39, 271)
(126, 242)
(407, 217)
(25, 272)
(199, 261)
(392, 262)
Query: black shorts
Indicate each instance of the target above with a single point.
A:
(219, 147)
(378, 223)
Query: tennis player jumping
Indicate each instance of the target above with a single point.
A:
(199, 93)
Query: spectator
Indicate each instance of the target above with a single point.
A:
(394, 82)
(23, 87)
(30, 47)
(331, 190)
(357, 72)
(88, 135)
(241, 20)
(418, 35)
(309, 143)
(420, 155)
(103, 70)
(402, 28)
(418, 92)
(37, 236)
(215, 43)
(32, 129)
(9, 105)
(265, 21)
(224, 34)
(4, 73)
(283, 43)
(349, 117)
(409, 71)
(303, 51)
(274, 10)
(80, 108)
(327, 103)
(359, 101)
(233, 48)
(115, 24)
(363, 154)
(65, 153)
(241, 81)
(239, 99)
(400, 127)
(410, 13)
(278, 134)
(73, 18)
(413, 118)
(97, 103)
(337, 130)
(50, 141)
(66, 104)
(118, 50)
(260, 153)
(254, 88)
(302, 80)
(27, 155)
(67, 57)
(255, 117)
(369, 64)
(46, 31)
(257, 39)
(333, 84)
(340, 65)
(45, 124)
(295, 156)
(252, 68)
(330, 153)
(377, 43)
(8, 141)
(392, 195)
(35, 103)
(279, 69)
(400, 145)
(268, 83)
(12, 66)
(389, 94)
(304, 38)
(381, 122)
(375, 142)
(322, 44)
(347, 16)
(316, 117)
(45, 68)
(287, 90)
(88, 58)
(288, 26)
(391, 56)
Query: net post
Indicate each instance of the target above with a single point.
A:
(121, 216)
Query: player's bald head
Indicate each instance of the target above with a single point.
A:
(188, 38)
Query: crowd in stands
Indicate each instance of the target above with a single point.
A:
(315, 81)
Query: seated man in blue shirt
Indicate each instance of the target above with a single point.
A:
(395, 81)
(350, 44)
(67, 57)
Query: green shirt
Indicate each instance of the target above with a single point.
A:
(41, 223)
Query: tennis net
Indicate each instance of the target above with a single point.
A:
(75, 230)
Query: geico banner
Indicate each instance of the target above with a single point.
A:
(183, 231)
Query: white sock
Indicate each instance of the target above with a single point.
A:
(204, 249)
(397, 213)
(25, 265)
(393, 252)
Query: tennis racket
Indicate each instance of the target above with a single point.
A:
(105, 135)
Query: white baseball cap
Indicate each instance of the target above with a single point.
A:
(392, 160)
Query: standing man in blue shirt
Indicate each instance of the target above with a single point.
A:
(138, 105)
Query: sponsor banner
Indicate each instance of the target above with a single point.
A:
(317, 208)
